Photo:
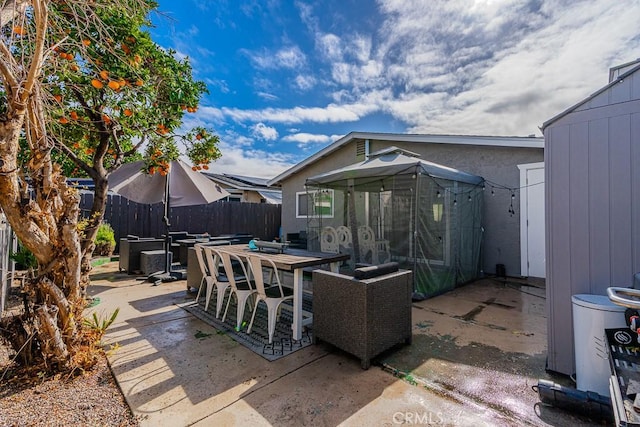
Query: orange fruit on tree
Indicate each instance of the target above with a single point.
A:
(75, 67)
(19, 30)
(139, 82)
(57, 97)
(86, 42)
(74, 115)
(106, 119)
(152, 170)
(114, 85)
(63, 120)
(127, 112)
(104, 74)
(198, 137)
(97, 84)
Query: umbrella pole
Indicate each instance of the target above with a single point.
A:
(167, 243)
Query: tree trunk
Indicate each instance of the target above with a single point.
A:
(44, 216)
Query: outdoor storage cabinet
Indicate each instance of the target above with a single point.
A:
(362, 317)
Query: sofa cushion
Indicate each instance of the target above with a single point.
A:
(375, 270)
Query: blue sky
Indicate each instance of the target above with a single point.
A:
(287, 78)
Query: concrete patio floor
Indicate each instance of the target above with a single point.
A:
(476, 353)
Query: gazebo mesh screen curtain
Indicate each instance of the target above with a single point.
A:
(429, 225)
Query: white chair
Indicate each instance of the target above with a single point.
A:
(204, 270)
(344, 236)
(272, 296)
(217, 279)
(241, 285)
(329, 240)
(367, 242)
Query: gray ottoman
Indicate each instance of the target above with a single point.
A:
(153, 261)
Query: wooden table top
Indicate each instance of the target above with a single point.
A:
(291, 259)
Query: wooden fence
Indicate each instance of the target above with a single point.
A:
(259, 219)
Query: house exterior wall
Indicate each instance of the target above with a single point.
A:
(251, 197)
(496, 164)
(592, 175)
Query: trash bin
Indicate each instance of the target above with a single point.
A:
(592, 314)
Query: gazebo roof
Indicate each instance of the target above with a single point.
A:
(390, 162)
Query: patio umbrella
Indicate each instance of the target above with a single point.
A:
(180, 187)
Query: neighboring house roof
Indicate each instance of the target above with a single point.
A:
(626, 69)
(500, 141)
(241, 183)
(271, 196)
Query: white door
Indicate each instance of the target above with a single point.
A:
(532, 247)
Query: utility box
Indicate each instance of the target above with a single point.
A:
(592, 314)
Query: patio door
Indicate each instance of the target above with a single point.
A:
(532, 228)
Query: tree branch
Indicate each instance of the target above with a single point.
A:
(40, 14)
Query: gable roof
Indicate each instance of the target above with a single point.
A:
(627, 69)
(500, 141)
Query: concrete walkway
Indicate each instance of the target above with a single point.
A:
(476, 353)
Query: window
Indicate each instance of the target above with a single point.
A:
(322, 203)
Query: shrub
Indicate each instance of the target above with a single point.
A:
(24, 258)
(105, 240)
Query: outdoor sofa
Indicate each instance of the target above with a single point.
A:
(130, 249)
(364, 314)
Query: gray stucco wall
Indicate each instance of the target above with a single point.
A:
(592, 175)
(496, 164)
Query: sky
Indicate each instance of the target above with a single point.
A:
(287, 78)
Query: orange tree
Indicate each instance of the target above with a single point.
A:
(85, 89)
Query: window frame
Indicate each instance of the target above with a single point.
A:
(310, 193)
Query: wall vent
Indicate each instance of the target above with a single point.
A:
(361, 150)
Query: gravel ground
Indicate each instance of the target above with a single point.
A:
(89, 399)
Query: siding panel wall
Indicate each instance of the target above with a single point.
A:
(592, 171)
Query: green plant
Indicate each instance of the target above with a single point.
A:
(23, 258)
(105, 240)
(100, 325)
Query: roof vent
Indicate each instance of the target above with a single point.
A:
(361, 148)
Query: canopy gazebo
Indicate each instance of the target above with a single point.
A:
(396, 207)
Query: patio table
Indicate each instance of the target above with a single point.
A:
(295, 260)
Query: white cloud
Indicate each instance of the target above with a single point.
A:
(290, 57)
(305, 82)
(262, 131)
(330, 114)
(267, 96)
(308, 138)
(257, 163)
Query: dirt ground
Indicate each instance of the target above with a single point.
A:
(28, 397)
